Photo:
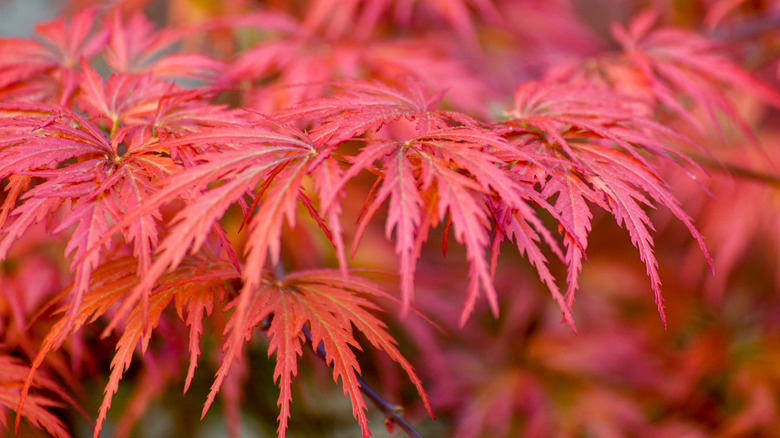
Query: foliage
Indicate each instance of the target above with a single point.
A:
(233, 178)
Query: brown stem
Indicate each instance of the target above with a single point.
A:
(392, 412)
(736, 170)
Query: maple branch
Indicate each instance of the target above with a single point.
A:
(747, 29)
(393, 413)
(736, 170)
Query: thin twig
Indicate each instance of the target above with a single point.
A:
(747, 29)
(736, 170)
(392, 412)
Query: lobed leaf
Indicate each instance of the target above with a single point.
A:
(328, 305)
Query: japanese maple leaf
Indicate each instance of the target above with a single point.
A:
(295, 63)
(149, 110)
(674, 59)
(134, 46)
(453, 160)
(599, 144)
(123, 99)
(83, 170)
(327, 305)
(262, 153)
(359, 17)
(669, 68)
(457, 178)
(33, 157)
(38, 408)
(193, 286)
(49, 69)
(357, 107)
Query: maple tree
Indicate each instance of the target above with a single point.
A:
(186, 193)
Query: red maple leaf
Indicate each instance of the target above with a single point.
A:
(326, 304)
(597, 142)
(194, 284)
(49, 69)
